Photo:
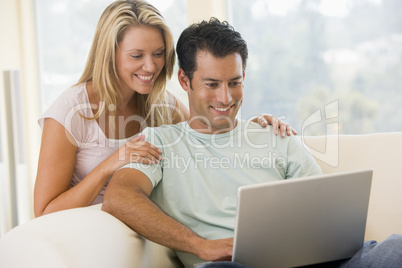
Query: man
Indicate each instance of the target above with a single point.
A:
(188, 200)
(206, 159)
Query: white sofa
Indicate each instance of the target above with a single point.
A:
(89, 237)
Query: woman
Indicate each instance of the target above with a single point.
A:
(89, 131)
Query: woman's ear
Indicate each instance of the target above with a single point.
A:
(184, 80)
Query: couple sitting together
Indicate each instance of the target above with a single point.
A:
(187, 200)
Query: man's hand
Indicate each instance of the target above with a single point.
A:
(216, 250)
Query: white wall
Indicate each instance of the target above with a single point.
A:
(203, 10)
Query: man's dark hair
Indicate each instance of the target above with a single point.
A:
(213, 36)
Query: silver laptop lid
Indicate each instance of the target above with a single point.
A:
(302, 221)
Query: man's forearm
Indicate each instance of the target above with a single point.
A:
(128, 202)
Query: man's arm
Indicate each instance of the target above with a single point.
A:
(127, 198)
(300, 162)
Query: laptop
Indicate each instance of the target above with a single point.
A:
(303, 221)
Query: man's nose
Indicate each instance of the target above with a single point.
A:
(224, 95)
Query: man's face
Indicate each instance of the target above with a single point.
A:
(215, 92)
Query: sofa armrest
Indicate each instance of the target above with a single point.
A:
(81, 237)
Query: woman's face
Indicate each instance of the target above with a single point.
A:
(140, 57)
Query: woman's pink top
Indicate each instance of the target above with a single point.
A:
(93, 146)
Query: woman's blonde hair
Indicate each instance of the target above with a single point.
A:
(100, 68)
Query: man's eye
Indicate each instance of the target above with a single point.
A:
(234, 84)
(212, 85)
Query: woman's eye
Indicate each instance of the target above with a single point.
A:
(136, 56)
(160, 54)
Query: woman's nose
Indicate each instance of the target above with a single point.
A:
(149, 65)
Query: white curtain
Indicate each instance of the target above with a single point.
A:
(14, 182)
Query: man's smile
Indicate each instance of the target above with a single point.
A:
(222, 109)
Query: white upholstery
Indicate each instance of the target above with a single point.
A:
(89, 237)
(381, 152)
(82, 237)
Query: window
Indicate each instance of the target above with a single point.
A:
(305, 56)
(315, 54)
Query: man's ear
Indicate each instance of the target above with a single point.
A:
(184, 80)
